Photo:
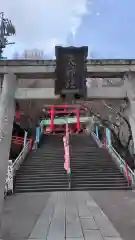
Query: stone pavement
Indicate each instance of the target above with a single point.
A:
(73, 215)
(21, 212)
(119, 206)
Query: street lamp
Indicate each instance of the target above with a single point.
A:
(7, 29)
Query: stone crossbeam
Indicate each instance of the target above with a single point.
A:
(43, 67)
(92, 93)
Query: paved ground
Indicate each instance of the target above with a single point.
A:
(26, 213)
(21, 213)
(56, 216)
(73, 215)
(119, 206)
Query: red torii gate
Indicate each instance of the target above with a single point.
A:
(67, 109)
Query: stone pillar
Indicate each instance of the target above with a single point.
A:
(129, 83)
(7, 113)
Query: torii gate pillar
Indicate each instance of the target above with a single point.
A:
(7, 113)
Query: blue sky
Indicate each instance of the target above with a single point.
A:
(106, 26)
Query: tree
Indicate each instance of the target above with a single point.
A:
(115, 124)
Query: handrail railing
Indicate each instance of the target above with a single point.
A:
(21, 140)
(126, 170)
(121, 163)
(97, 140)
(16, 165)
(17, 138)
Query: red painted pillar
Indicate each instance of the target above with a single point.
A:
(78, 126)
(17, 116)
(52, 119)
(127, 174)
(30, 144)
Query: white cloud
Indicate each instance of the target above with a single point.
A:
(44, 23)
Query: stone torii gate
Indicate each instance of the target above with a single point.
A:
(7, 113)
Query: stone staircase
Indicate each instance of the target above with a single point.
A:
(43, 170)
(92, 167)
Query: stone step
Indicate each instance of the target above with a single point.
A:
(92, 168)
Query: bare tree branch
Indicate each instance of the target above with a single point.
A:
(123, 117)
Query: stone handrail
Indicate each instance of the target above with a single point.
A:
(19, 160)
(121, 163)
(13, 167)
(97, 140)
(125, 169)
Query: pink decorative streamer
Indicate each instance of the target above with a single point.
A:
(66, 149)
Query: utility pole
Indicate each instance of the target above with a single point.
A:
(7, 29)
